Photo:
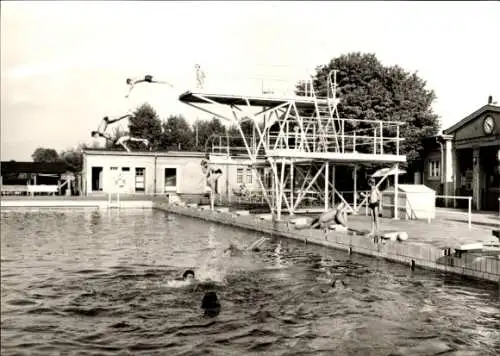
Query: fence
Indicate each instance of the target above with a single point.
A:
(355, 204)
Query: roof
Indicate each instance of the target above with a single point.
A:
(108, 152)
(253, 100)
(191, 154)
(471, 117)
(34, 167)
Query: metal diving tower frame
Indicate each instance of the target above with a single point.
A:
(302, 136)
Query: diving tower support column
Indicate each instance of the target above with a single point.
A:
(355, 194)
(333, 184)
(327, 164)
(396, 188)
(292, 188)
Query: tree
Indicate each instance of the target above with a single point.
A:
(177, 134)
(46, 155)
(208, 130)
(73, 158)
(146, 124)
(370, 91)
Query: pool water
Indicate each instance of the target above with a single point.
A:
(103, 283)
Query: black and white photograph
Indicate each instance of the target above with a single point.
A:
(250, 178)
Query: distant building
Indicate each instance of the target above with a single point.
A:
(148, 173)
(19, 178)
(465, 159)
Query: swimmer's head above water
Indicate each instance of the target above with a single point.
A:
(338, 283)
(188, 275)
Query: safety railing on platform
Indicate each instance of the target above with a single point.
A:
(351, 142)
(381, 137)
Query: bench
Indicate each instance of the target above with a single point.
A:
(43, 188)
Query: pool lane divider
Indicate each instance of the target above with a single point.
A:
(410, 253)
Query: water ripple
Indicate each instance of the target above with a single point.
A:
(104, 283)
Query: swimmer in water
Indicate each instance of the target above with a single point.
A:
(338, 283)
(187, 276)
(232, 250)
(210, 304)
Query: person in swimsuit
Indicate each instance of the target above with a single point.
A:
(103, 126)
(374, 202)
(337, 216)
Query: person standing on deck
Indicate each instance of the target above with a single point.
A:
(374, 202)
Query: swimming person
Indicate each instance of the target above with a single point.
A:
(232, 250)
(210, 304)
(188, 275)
(374, 202)
(337, 216)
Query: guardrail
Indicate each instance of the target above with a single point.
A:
(355, 205)
(469, 206)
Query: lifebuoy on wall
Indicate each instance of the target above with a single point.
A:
(120, 181)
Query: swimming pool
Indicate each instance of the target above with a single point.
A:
(102, 283)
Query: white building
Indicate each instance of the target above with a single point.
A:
(108, 171)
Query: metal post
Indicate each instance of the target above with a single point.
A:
(292, 188)
(343, 135)
(397, 142)
(355, 187)
(333, 185)
(326, 185)
(469, 217)
(381, 138)
(396, 188)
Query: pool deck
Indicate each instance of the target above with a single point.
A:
(431, 245)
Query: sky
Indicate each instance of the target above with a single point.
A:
(64, 64)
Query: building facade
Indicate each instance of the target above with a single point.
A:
(151, 173)
(465, 159)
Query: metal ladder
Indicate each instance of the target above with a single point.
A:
(116, 204)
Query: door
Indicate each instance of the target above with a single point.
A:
(140, 179)
(170, 180)
(97, 179)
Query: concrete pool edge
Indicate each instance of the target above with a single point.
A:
(412, 254)
(99, 204)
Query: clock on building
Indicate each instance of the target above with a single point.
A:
(488, 124)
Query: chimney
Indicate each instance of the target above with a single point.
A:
(490, 100)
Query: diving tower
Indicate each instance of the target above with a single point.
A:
(299, 138)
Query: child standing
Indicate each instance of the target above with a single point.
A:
(374, 202)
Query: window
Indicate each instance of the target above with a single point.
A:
(249, 176)
(139, 179)
(239, 176)
(113, 168)
(170, 179)
(125, 169)
(434, 169)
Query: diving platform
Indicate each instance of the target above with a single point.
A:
(295, 141)
(268, 100)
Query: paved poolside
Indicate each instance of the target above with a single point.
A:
(440, 233)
